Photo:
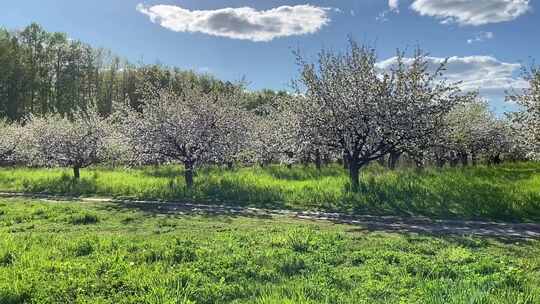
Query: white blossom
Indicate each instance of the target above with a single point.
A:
(193, 128)
(10, 141)
(529, 118)
(77, 141)
(354, 107)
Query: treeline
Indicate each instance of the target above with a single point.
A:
(43, 73)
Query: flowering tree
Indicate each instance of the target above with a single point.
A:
(354, 107)
(521, 147)
(473, 133)
(471, 129)
(424, 99)
(499, 141)
(77, 141)
(276, 135)
(10, 141)
(529, 99)
(302, 135)
(235, 123)
(192, 128)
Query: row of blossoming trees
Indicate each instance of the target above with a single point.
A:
(346, 109)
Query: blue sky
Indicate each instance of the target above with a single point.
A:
(486, 39)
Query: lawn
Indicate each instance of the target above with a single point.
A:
(509, 192)
(72, 252)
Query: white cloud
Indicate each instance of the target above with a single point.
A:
(472, 12)
(484, 73)
(241, 23)
(393, 5)
(480, 37)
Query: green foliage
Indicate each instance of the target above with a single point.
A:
(164, 258)
(43, 72)
(508, 192)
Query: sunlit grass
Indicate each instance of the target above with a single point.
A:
(104, 253)
(509, 192)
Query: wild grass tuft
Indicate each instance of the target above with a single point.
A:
(84, 219)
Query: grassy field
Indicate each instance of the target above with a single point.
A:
(103, 253)
(505, 193)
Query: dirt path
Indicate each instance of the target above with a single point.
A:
(364, 222)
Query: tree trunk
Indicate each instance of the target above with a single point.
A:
(326, 159)
(494, 159)
(188, 175)
(76, 173)
(305, 160)
(453, 159)
(464, 158)
(345, 161)
(393, 159)
(354, 175)
(318, 160)
(419, 165)
(290, 155)
(440, 162)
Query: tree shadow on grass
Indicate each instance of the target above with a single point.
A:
(406, 197)
(474, 193)
(303, 173)
(460, 232)
(235, 192)
(212, 191)
(175, 171)
(451, 198)
(180, 209)
(469, 241)
(297, 173)
(465, 233)
(64, 185)
(170, 171)
(498, 173)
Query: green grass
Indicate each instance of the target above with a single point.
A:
(509, 192)
(112, 254)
